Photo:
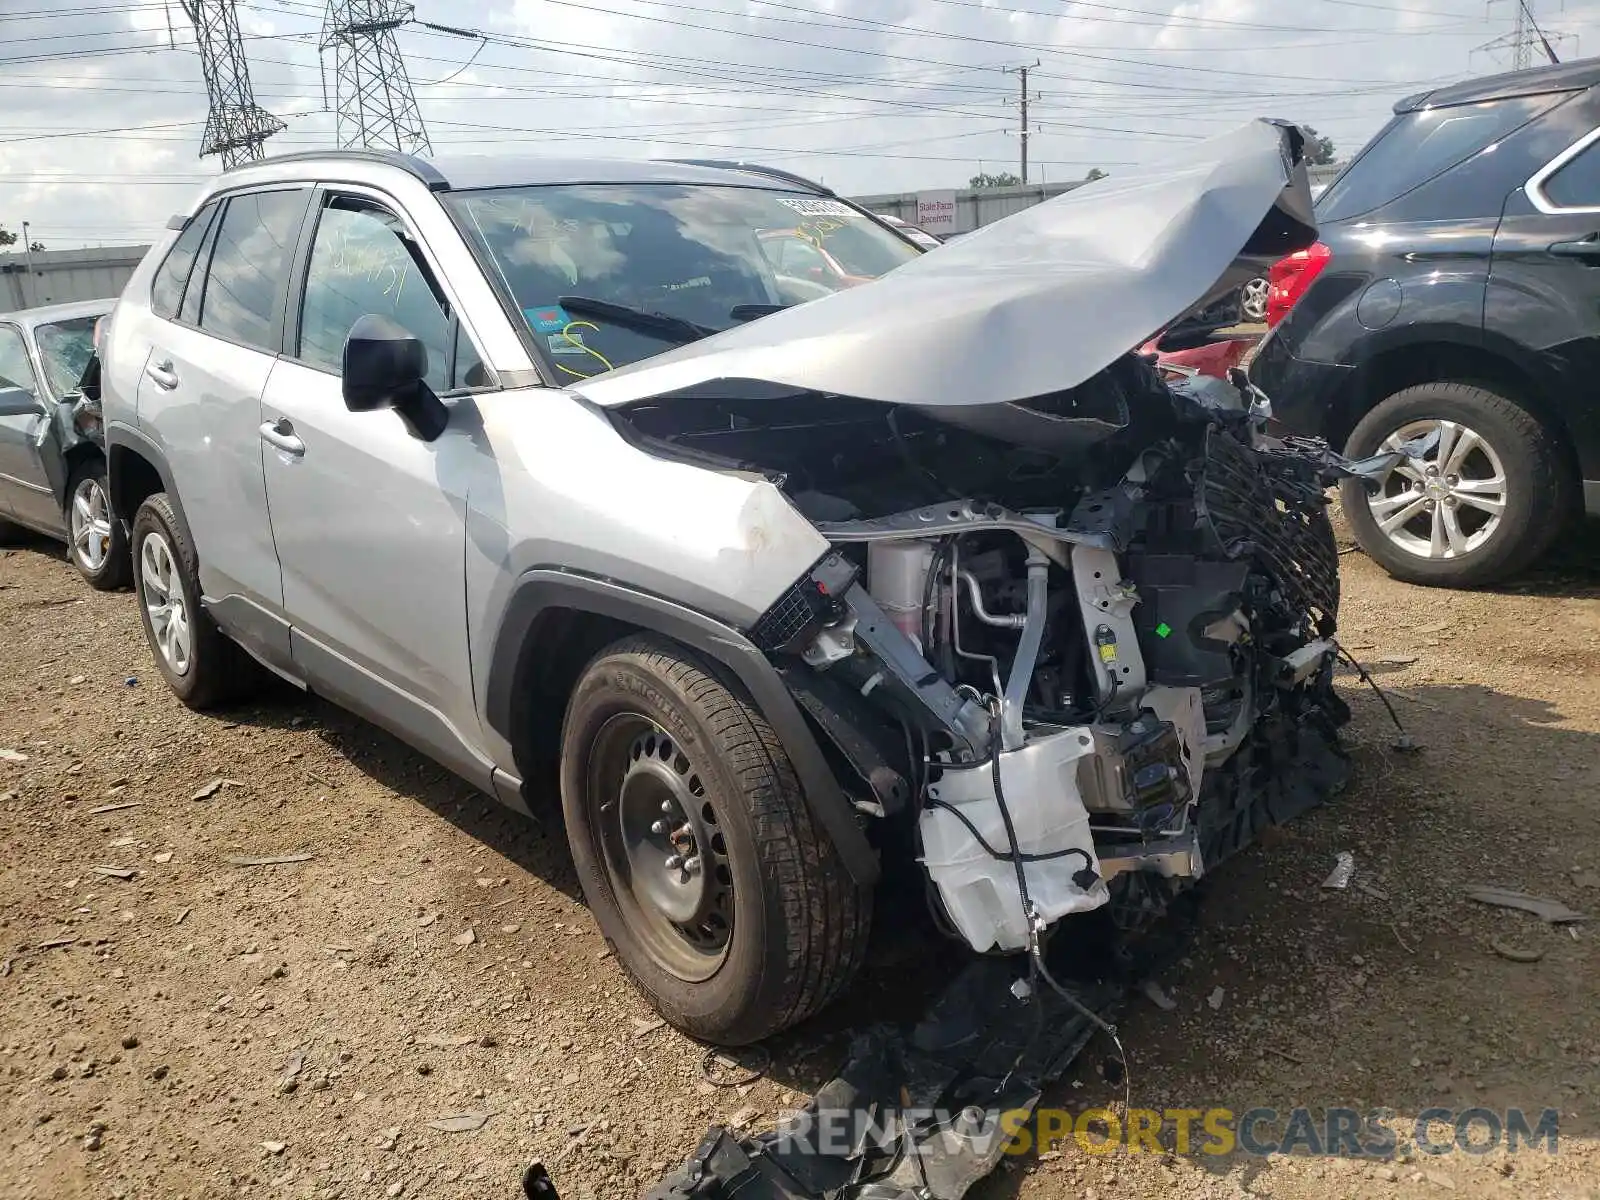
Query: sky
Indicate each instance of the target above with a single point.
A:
(102, 102)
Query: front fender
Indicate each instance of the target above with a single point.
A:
(539, 590)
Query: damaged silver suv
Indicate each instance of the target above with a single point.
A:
(784, 548)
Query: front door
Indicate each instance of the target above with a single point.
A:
(24, 438)
(369, 520)
(201, 389)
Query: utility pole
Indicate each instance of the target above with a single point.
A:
(236, 126)
(373, 101)
(31, 300)
(1526, 36)
(1022, 101)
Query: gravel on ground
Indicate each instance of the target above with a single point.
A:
(273, 952)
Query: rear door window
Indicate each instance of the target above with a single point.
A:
(166, 293)
(250, 266)
(1418, 146)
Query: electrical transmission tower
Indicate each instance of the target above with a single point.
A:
(1526, 37)
(236, 126)
(373, 101)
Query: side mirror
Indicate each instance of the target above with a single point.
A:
(15, 402)
(385, 367)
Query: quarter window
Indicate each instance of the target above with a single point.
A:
(166, 292)
(1577, 184)
(249, 264)
(363, 263)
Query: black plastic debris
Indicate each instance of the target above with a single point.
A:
(915, 1114)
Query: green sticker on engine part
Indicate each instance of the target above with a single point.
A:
(1163, 630)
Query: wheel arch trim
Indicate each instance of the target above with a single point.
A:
(541, 589)
(1510, 366)
(122, 441)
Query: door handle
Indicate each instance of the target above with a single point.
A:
(280, 435)
(162, 374)
(1588, 247)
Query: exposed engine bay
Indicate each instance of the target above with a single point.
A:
(1044, 658)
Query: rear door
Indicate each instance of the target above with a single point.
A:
(201, 393)
(24, 487)
(369, 520)
(1544, 286)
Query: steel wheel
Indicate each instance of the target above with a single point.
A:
(161, 590)
(91, 524)
(1253, 300)
(663, 846)
(1448, 503)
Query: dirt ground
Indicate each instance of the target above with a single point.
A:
(177, 1024)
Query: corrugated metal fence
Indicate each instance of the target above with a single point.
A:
(65, 276)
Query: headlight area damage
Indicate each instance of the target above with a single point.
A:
(1081, 677)
(1074, 634)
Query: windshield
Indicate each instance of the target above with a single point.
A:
(695, 253)
(64, 348)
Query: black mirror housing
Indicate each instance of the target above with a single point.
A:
(385, 366)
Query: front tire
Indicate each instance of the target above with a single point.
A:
(1482, 506)
(721, 897)
(201, 665)
(96, 540)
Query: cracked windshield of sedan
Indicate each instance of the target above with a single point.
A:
(608, 274)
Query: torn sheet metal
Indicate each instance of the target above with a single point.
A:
(1029, 306)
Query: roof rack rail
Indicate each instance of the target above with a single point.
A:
(424, 171)
(728, 164)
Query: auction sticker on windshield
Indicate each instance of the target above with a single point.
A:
(816, 208)
(552, 318)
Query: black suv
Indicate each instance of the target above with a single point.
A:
(1453, 303)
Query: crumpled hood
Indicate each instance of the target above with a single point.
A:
(1031, 305)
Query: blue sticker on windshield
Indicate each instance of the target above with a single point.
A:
(551, 318)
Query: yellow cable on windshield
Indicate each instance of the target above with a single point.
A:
(566, 332)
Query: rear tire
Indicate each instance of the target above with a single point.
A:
(96, 542)
(201, 665)
(1484, 509)
(660, 762)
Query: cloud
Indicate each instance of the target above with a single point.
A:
(899, 95)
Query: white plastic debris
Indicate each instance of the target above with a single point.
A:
(1344, 869)
(1153, 993)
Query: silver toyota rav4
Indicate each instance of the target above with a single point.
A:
(789, 553)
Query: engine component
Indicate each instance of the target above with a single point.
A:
(966, 849)
(806, 607)
(897, 577)
(1027, 657)
(1107, 604)
(1140, 771)
(962, 717)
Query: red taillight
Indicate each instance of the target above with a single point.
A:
(1291, 277)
